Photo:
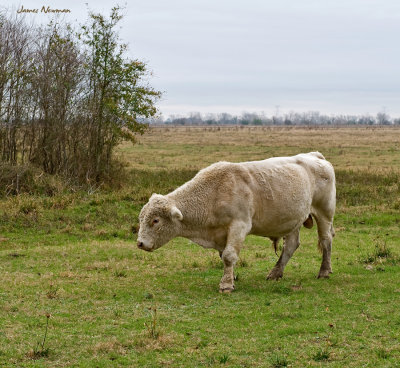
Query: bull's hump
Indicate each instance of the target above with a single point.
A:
(223, 169)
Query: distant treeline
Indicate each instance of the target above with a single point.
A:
(307, 118)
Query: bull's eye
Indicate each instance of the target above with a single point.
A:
(156, 221)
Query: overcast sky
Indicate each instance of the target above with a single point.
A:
(283, 55)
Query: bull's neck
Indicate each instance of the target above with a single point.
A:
(192, 204)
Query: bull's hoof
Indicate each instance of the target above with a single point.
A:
(324, 274)
(275, 275)
(226, 290)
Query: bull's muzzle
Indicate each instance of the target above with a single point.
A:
(142, 246)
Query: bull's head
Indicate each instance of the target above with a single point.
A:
(159, 222)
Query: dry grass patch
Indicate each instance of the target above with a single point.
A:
(99, 266)
(196, 147)
(110, 346)
(143, 342)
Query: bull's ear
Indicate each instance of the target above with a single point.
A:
(176, 213)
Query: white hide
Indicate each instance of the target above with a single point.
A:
(227, 201)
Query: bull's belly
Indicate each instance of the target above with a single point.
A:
(277, 231)
(277, 227)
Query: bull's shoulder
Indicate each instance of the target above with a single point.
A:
(215, 195)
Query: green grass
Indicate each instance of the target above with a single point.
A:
(72, 257)
(98, 317)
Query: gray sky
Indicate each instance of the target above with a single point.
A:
(234, 56)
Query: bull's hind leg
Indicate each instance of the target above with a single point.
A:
(291, 243)
(236, 235)
(325, 235)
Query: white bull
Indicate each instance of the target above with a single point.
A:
(227, 201)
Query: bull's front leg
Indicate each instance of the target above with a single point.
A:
(230, 255)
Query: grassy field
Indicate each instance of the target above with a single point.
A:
(70, 261)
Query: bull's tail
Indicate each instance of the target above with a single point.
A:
(275, 242)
